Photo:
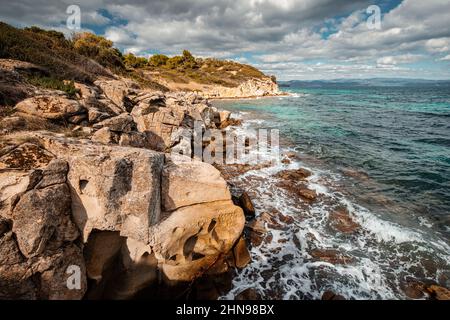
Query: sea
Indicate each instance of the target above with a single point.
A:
(379, 151)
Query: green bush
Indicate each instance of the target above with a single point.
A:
(98, 49)
(55, 84)
(175, 62)
(158, 60)
(131, 61)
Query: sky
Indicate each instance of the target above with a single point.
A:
(292, 39)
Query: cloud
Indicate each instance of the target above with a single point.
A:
(446, 58)
(271, 33)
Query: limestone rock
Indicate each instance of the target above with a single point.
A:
(191, 238)
(120, 123)
(186, 182)
(50, 107)
(26, 156)
(117, 90)
(135, 140)
(105, 136)
(112, 188)
(41, 216)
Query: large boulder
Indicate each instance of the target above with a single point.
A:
(113, 188)
(51, 107)
(37, 236)
(186, 182)
(190, 240)
(118, 91)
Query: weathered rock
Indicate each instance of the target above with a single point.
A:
(331, 256)
(159, 122)
(248, 294)
(438, 292)
(189, 241)
(246, 204)
(11, 123)
(43, 216)
(53, 271)
(50, 107)
(134, 139)
(100, 251)
(307, 193)
(25, 156)
(120, 123)
(78, 119)
(105, 136)
(186, 182)
(341, 221)
(241, 254)
(112, 188)
(250, 88)
(118, 91)
(95, 115)
(330, 295)
(54, 173)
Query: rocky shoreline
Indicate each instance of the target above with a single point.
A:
(95, 203)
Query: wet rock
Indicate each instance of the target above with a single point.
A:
(246, 204)
(294, 175)
(307, 194)
(241, 254)
(340, 220)
(414, 289)
(330, 295)
(331, 256)
(438, 292)
(248, 294)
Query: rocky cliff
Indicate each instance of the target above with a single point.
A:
(93, 205)
(249, 89)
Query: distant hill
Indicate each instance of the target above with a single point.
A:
(372, 82)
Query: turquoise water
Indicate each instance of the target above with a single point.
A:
(385, 153)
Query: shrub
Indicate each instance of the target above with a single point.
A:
(175, 62)
(49, 50)
(189, 60)
(99, 49)
(55, 84)
(158, 60)
(131, 61)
